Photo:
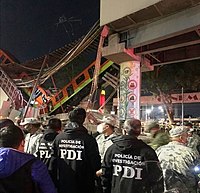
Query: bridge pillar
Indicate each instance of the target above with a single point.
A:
(130, 76)
(130, 84)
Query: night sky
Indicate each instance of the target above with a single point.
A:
(31, 28)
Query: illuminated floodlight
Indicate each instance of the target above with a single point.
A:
(148, 111)
(161, 108)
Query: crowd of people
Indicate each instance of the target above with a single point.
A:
(71, 160)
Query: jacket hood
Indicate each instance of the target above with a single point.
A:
(49, 135)
(72, 127)
(126, 142)
(11, 160)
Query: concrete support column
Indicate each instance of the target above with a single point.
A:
(131, 66)
(130, 85)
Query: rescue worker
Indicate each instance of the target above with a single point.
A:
(178, 162)
(158, 136)
(75, 157)
(33, 136)
(106, 130)
(130, 165)
(20, 172)
(193, 138)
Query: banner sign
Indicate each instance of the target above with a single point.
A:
(130, 80)
(176, 98)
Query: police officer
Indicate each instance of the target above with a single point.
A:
(75, 158)
(45, 146)
(130, 165)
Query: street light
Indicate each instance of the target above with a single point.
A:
(148, 111)
(182, 106)
(161, 109)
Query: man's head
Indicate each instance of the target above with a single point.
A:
(55, 124)
(190, 129)
(132, 127)
(189, 126)
(152, 127)
(5, 122)
(108, 124)
(31, 125)
(12, 136)
(179, 133)
(77, 115)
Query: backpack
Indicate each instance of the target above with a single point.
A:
(20, 181)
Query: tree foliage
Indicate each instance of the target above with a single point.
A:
(169, 79)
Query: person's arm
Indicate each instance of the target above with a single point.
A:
(42, 178)
(37, 143)
(154, 170)
(106, 175)
(93, 154)
(52, 167)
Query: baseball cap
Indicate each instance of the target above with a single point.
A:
(177, 131)
(30, 120)
(150, 125)
(109, 119)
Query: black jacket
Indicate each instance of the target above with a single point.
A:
(45, 146)
(131, 166)
(75, 160)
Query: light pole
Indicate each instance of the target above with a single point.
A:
(162, 111)
(148, 111)
(182, 106)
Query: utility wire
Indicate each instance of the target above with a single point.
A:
(69, 56)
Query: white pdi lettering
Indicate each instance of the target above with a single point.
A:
(70, 154)
(128, 172)
(45, 154)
